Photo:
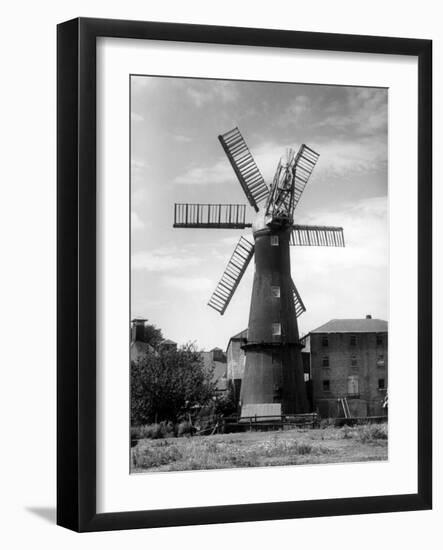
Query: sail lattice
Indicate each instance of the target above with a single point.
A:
(244, 166)
(232, 275)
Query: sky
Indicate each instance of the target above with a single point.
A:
(176, 157)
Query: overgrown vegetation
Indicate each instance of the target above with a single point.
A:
(373, 432)
(168, 385)
(367, 433)
(162, 430)
(152, 335)
(249, 449)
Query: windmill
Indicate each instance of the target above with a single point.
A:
(273, 381)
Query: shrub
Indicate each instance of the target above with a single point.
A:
(147, 431)
(304, 449)
(167, 385)
(326, 422)
(373, 432)
(152, 457)
(184, 428)
(167, 429)
(347, 432)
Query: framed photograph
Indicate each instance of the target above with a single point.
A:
(244, 263)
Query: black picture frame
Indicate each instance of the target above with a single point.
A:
(76, 273)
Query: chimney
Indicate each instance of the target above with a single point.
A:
(368, 316)
(138, 330)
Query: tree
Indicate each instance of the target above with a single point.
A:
(153, 336)
(165, 386)
(226, 404)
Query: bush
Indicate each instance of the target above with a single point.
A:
(373, 432)
(347, 432)
(147, 431)
(184, 428)
(326, 423)
(167, 429)
(152, 457)
(166, 386)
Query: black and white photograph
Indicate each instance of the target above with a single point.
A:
(221, 222)
(259, 274)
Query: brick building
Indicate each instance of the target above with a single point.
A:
(349, 359)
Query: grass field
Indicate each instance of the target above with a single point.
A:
(273, 448)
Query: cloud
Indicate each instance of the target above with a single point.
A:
(365, 227)
(135, 117)
(182, 139)
(161, 260)
(350, 281)
(365, 112)
(338, 158)
(204, 92)
(232, 240)
(188, 284)
(139, 170)
(136, 222)
(266, 156)
(140, 83)
(344, 157)
(137, 164)
(297, 111)
(199, 97)
(138, 195)
(220, 172)
(222, 248)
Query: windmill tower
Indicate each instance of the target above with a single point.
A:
(273, 382)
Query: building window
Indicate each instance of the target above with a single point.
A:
(379, 339)
(353, 340)
(325, 361)
(275, 290)
(381, 383)
(353, 385)
(324, 341)
(353, 360)
(277, 393)
(326, 385)
(380, 360)
(276, 329)
(274, 240)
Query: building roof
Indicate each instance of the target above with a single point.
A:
(168, 343)
(239, 336)
(353, 325)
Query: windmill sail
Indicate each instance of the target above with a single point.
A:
(317, 235)
(305, 162)
(298, 302)
(222, 216)
(230, 280)
(244, 167)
